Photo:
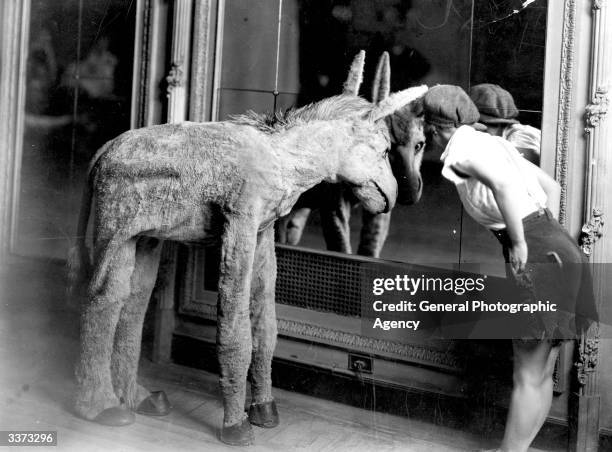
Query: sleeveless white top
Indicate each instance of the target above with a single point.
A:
(466, 145)
(526, 139)
(523, 136)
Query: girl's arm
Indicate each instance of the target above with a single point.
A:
(502, 180)
(550, 186)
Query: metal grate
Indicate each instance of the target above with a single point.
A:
(318, 280)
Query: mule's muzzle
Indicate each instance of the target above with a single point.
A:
(409, 190)
(388, 204)
(375, 198)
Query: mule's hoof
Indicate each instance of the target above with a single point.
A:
(156, 404)
(116, 416)
(264, 414)
(238, 435)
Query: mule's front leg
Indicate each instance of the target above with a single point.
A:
(234, 327)
(128, 336)
(262, 411)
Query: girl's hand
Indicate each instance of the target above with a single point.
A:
(518, 256)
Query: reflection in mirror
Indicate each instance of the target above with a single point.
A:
(507, 78)
(306, 57)
(77, 98)
(420, 51)
(508, 50)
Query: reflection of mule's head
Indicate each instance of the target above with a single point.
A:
(405, 127)
(407, 137)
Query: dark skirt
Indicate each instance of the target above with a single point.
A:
(556, 271)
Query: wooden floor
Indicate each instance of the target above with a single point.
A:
(38, 337)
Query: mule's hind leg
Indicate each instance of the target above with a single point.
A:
(374, 231)
(108, 290)
(291, 227)
(128, 335)
(262, 411)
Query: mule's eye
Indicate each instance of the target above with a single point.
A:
(419, 147)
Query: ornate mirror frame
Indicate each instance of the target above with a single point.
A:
(576, 34)
(582, 56)
(575, 104)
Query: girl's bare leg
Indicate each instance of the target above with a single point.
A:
(534, 364)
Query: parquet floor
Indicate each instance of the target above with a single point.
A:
(38, 346)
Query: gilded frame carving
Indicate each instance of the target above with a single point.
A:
(565, 99)
(15, 28)
(149, 62)
(204, 60)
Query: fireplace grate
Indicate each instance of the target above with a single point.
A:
(319, 281)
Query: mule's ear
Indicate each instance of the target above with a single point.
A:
(395, 101)
(355, 75)
(382, 79)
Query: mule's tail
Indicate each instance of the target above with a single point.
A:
(79, 263)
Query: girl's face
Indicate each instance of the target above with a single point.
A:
(495, 129)
(435, 136)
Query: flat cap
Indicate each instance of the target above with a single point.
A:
(495, 104)
(449, 105)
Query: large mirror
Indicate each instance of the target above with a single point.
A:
(274, 54)
(78, 94)
(296, 52)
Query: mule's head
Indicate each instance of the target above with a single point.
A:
(374, 185)
(365, 167)
(407, 136)
(366, 164)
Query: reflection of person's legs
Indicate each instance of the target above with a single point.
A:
(534, 364)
